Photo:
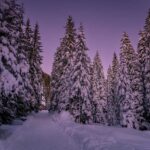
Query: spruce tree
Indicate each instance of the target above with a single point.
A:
(112, 92)
(80, 95)
(109, 96)
(131, 108)
(17, 48)
(115, 71)
(68, 48)
(35, 62)
(55, 80)
(10, 77)
(33, 48)
(62, 68)
(24, 96)
(99, 100)
(144, 63)
(28, 48)
(124, 84)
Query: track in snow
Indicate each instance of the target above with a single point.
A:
(39, 132)
(44, 131)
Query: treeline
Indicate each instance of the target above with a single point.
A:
(79, 85)
(20, 60)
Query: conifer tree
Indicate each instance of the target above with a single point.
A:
(124, 83)
(62, 68)
(131, 108)
(99, 100)
(112, 92)
(10, 77)
(16, 62)
(33, 50)
(144, 63)
(109, 96)
(80, 95)
(35, 64)
(28, 48)
(68, 48)
(55, 80)
(24, 95)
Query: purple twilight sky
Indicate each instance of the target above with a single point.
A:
(104, 22)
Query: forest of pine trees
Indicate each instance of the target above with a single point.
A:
(77, 84)
(20, 60)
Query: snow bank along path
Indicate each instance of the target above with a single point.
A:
(45, 131)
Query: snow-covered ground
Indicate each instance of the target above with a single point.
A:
(45, 131)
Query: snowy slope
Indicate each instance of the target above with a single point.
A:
(45, 131)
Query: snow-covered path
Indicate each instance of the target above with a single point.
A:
(45, 131)
(39, 132)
